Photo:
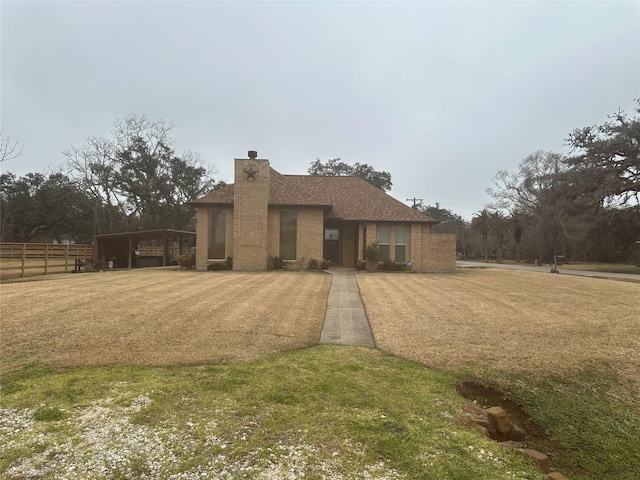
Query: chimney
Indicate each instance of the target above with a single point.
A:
(250, 212)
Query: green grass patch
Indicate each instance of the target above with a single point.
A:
(48, 414)
(354, 412)
(603, 267)
(584, 266)
(325, 412)
(592, 419)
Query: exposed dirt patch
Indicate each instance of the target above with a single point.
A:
(486, 396)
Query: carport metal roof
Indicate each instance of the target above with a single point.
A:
(145, 234)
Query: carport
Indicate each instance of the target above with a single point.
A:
(148, 248)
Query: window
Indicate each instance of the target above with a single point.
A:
(332, 234)
(392, 239)
(384, 240)
(401, 244)
(288, 235)
(217, 234)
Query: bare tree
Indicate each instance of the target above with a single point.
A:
(8, 150)
(536, 191)
(93, 166)
(136, 180)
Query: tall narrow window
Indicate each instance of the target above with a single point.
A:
(401, 244)
(288, 235)
(384, 239)
(217, 234)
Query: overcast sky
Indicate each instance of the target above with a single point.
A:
(440, 94)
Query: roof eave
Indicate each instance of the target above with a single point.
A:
(324, 206)
(145, 233)
(196, 203)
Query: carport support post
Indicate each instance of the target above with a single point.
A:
(164, 249)
(130, 250)
(24, 258)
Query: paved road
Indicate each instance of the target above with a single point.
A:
(547, 269)
(345, 322)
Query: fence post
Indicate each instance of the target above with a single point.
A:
(24, 258)
(46, 258)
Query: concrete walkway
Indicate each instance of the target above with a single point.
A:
(345, 322)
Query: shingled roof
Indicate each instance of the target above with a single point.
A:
(343, 198)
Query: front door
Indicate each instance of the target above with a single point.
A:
(331, 250)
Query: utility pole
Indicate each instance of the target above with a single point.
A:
(415, 201)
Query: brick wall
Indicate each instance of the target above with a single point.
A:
(438, 252)
(250, 218)
(229, 239)
(309, 237)
(202, 240)
(371, 232)
(360, 248)
(310, 234)
(427, 252)
(415, 250)
(273, 237)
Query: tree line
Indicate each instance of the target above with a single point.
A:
(132, 180)
(585, 205)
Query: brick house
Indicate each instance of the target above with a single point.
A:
(300, 217)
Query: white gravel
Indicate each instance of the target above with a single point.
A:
(100, 441)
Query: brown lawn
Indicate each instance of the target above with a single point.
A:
(506, 320)
(498, 319)
(158, 317)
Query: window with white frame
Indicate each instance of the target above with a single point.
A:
(401, 244)
(384, 242)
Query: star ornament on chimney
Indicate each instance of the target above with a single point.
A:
(250, 172)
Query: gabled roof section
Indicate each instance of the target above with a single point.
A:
(343, 198)
(222, 196)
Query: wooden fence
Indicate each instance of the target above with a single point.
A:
(23, 259)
